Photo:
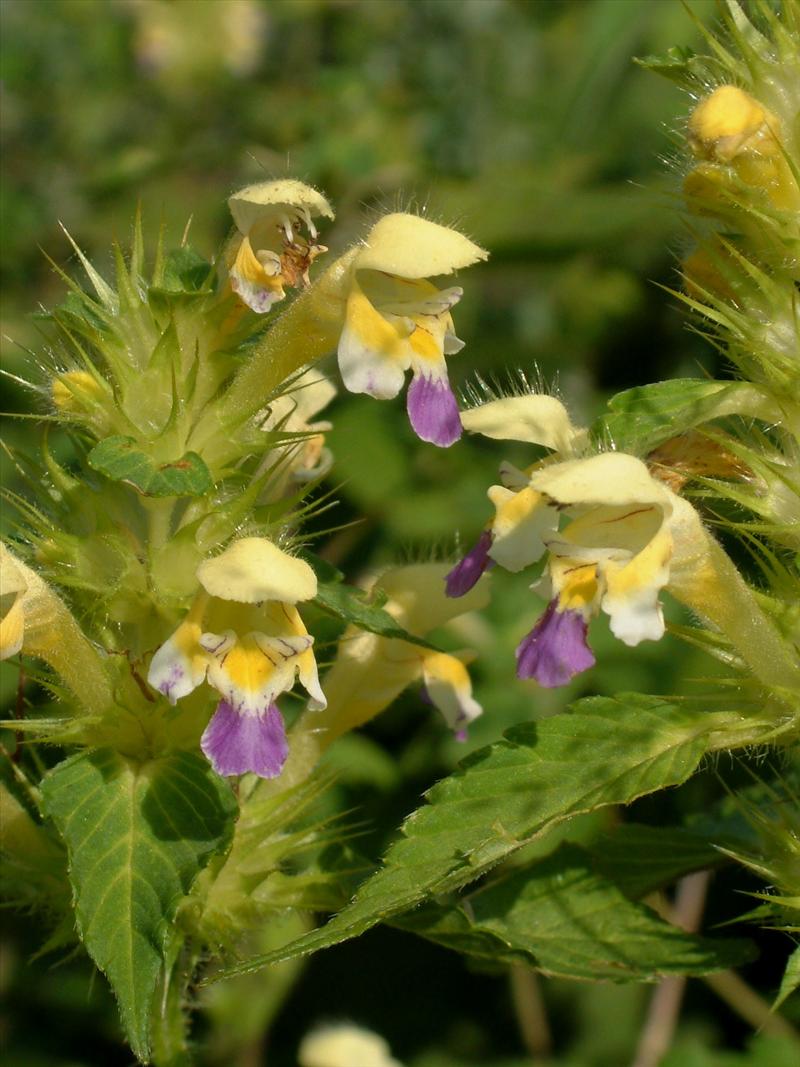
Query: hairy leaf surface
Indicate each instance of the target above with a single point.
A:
(562, 917)
(606, 751)
(122, 460)
(352, 605)
(640, 858)
(137, 836)
(642, 418)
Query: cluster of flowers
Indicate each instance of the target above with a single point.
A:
(612, 535)
(613, 553)
(395, 319)
(244, 634)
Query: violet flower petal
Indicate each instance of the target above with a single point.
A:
(241, 743)
(467, 571)
(433, 411)
(556, 649)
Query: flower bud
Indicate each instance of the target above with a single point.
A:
(76, 391)
(730, 122)
(703, 278)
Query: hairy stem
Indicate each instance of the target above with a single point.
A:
(170, 1023)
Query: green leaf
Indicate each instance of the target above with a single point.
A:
(122, 460)
(680, 65)
(640, 858)
(186, 272)
(353, 606)
(563, 918)
(791, 979)
(606, 751)
(78, 309)
(325, 571)
(137, 836)
(640, 419)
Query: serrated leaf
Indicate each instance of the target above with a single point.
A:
(137, 836)
(639, 419)
(353, 606)
(605, 751)
(791, 979)
(122, 460)
(561, 917)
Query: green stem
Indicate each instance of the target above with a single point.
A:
(706, 580)
(302, 335)
(170, 1021)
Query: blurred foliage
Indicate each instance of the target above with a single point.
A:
(528, 125)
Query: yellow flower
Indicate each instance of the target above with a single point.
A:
(292, 414)
(370, 671)
(612, 555)
(345, 1045)
(534, 418)
(514, 537)
(620, 531)
(729, 123)
(12, 610)
(36, 621)
(613, 538)
(272, 251)
(396, 319)
(76, 391)
(730, 129)
(244, 635)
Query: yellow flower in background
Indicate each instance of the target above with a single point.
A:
(397, 320)
(370, 671)
(292, 413)
(448, 687)
(345, 1045)
(277, 242)
(183, 53)
(12, 605)
(244, 635)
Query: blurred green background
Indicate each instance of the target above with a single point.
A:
(527, 125)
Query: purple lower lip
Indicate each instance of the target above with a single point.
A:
(237, 743)
(556, 648)
(433, 411)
